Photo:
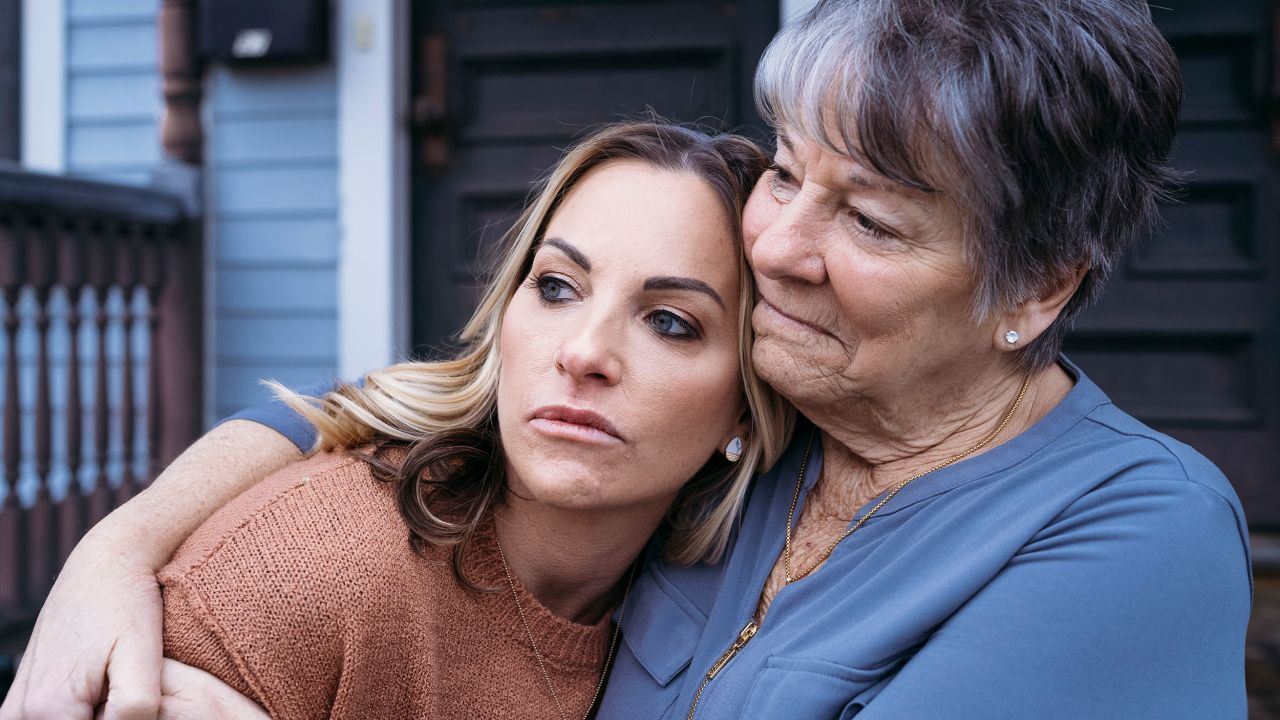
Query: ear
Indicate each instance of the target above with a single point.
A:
(740, 429)
(1034, 316)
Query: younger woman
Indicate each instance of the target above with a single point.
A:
(605, 393)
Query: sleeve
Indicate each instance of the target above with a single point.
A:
(1131, 604)
(281, 418)
(189, 638)
(254, 595)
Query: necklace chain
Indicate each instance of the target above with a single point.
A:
(542, 667)
(795, 498)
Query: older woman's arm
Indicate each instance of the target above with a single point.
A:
(1132, 604)
(98, 637)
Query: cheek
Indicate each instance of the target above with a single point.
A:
(758, 215)
(895, 300)
(692, 405)
(519, 350)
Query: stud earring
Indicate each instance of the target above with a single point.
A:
(1012, 337)
(733, 451)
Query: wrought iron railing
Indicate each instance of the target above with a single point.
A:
(100, 364)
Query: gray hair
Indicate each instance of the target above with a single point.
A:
(1047, 122)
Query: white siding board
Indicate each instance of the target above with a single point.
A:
(280, 339)
(112, 10)
(278, 242)
(272, 190)
(289, 91)
(94, 146)
(131, 97)
(289, 293)
(240, 141)
(113, 48)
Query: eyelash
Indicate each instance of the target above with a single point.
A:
(540, 283)
(780, 177)
(869, 226)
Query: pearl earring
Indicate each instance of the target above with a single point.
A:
(733, 451)
(1012, 337)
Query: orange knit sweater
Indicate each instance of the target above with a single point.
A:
(305, 595)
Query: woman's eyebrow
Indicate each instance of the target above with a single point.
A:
(668, 282)
(569, 250)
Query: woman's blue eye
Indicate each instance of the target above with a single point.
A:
(668, 323)
(553, 289)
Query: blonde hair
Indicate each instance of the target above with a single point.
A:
(444, 411)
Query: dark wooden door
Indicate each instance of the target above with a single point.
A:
(10, 78)
(501, 88)
(1188, 335)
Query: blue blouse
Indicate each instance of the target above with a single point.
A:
(1088, 568)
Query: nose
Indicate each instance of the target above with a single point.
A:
(589, 354)
(789, 244)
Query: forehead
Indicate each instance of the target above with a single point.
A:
(629, 216)
(848, 170)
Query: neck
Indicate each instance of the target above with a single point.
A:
(572, 561)
(876, 444)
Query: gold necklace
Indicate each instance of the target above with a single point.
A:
(862, 521)
(752, 627)
(546, 676)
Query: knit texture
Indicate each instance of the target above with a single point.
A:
(305, 595)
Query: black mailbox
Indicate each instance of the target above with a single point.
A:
(264, 31)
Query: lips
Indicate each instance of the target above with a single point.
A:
(588, 424)
(787, 316)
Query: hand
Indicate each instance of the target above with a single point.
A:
(99, 635)
(188, 693)
(98, 638)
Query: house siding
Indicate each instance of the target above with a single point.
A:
(271, 191)
(113, 89)
(272, 162)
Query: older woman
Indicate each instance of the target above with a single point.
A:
(970, 529)
(966, 527)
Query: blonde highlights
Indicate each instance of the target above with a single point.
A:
(441, 413)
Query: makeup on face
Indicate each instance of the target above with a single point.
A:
(621, 368)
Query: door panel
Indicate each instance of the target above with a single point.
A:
(1187, 335)
(503, 87)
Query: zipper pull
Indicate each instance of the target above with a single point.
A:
(744, 637)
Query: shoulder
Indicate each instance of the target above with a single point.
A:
(276, 586)
(301, 528)
(1130, 460)
(1154, 500)
(1137, 450)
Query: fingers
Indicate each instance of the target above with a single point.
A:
(100, 624)
(192, 694)
(37, 695)
(133, 678)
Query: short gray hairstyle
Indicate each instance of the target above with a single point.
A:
(1047, 122)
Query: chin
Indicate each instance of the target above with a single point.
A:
(566, 488)
(791, 370)
(774, 359)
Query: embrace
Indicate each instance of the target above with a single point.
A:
(728, 435)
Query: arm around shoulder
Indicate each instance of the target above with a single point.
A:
(102, 619)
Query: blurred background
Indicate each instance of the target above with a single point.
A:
(195, 194)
